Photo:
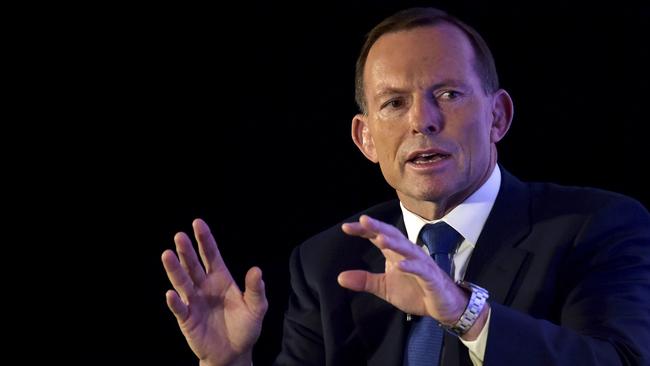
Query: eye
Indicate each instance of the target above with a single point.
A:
(449, 95)
(393, 103)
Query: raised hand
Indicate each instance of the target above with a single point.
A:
(412, 281)
(220, 324)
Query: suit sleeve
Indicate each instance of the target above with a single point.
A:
(604, 297)
(302, 341)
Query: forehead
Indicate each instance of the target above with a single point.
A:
(421, 55)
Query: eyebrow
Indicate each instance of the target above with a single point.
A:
(442, 84)
(389, 91)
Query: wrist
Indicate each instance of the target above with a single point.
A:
(474, 315)
(475, 330)
(457, 298)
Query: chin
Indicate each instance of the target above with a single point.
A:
(430, 189)
(434, 191)
(433, 194)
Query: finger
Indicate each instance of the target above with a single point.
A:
(356, 229)
(389, 237)
(378, 226)
(207, 246)
(400, 246)
(177, 275)
(370, 228)
(384, 236)
(188, 258)
(358, 280)
(176, 305)
(254, 294)
(418, 268)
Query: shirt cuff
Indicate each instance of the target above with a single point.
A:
(477, 347)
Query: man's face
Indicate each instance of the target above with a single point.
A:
(429, 125)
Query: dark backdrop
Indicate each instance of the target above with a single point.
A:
(240, 114)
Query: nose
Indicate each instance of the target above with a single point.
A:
(425, 117)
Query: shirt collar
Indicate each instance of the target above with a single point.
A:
(468, 218)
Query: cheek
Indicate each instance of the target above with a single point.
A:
(387, 145)
(473, 143)
(475, 131)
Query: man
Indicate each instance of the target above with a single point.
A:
(567, 269)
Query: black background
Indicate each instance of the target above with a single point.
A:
(240, 114)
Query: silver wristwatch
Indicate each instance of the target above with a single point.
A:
(476, 302)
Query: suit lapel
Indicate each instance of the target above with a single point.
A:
(496, 260)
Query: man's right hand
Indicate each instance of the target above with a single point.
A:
(220, 323)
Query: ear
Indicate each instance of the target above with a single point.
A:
(502, 112)
(362, 137)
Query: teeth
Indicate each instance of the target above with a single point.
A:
(427, 158)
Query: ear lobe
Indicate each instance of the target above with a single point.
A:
(363, 138)
(502, 113)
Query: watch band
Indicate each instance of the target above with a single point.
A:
(476, 302)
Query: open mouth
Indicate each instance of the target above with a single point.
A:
(427, 158)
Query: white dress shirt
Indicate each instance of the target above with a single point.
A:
(468, 219)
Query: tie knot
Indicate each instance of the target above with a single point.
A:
(440, 238)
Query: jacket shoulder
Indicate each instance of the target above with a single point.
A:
(580, 200)
(333, 245)
(388, 211)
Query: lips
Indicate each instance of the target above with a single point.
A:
(424, 157)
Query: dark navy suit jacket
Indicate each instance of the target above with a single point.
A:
(568, 271)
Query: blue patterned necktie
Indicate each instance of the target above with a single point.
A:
(424, 344)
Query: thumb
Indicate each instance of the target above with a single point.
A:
(357, 280)
(254, 294)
